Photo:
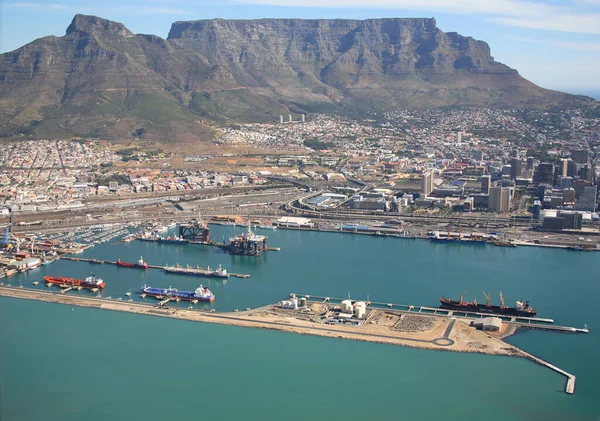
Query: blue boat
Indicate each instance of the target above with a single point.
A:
(200, 294)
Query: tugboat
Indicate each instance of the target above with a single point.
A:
(200, 294)
(139, 265)
(522, 309)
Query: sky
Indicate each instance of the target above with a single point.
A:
(554, 43)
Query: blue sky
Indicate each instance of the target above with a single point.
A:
(554, 43)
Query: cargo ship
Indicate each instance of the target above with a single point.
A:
(522, 309)
(89, 282)
(219, 272)
(139, 265)
(200, 294)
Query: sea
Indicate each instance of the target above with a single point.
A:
(59, 362)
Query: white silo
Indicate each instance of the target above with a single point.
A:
(346, 306)
(295, 304)
(360, 309)
(290, 118)
(303, 118)
(280, 119)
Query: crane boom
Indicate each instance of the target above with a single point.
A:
(501, 300)
(487, 299)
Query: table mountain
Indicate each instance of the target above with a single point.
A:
(102, 80)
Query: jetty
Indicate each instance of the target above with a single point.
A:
(109, 262)
(371, 324)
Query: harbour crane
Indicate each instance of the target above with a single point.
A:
(502, 300)
(488, 302)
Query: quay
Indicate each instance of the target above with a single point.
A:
(524, 322)
(109, 262)
(377, 325)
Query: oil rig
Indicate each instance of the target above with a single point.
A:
(246, 244)
(195, 231)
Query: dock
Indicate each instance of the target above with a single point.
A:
(515, 322)
(108, 262)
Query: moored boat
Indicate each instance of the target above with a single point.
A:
(200, 294)
(141, 264)
(521, 309)
(89, 282)
(219, 272)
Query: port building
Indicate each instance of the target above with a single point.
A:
(294, 222)
(488, 324)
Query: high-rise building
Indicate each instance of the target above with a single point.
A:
(514, 153)
(564, 167)
(499, 200)
(569, 196)
(580, 156)
(544, 173)
(587, 200)
(529, 165)
(516, 168)
(566, 182)
(427, 183)
(486, 183)
(477, 155)
(571, 168)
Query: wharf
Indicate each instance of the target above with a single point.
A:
(109, 262)
(444, 333)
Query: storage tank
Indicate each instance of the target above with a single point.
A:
(302, 302)
(346, 306)
(295, 304)
(360, 309)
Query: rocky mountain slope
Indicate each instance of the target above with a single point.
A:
(101, 80)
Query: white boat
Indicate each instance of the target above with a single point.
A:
(268, 227)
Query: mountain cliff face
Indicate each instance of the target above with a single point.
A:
(102, 80)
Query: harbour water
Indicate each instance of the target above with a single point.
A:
(94, 365)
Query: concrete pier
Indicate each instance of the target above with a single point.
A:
(108, 262)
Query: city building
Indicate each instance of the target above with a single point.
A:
(544, 173)
(427, 183)
(587, 200)
(515, 168)
(486, 183)
(564, 167)
(580, 156)
(500, 200)
(569, 196)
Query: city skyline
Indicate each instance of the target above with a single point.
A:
(552, 43)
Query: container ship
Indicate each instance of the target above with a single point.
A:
(139, 265)
(200, 294)
(89, 282)
(522, 309)
(219, 272)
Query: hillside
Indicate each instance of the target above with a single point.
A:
(101, 80)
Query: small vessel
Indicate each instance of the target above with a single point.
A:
(521, 309)
(200, 294)
(219, 272)
(141, 264)
(500, 243)
(267, 227)
(89, 282)
(577, 247)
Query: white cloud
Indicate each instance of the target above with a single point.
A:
(582, 16)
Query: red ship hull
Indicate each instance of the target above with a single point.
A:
(61, 280)
(132, 265)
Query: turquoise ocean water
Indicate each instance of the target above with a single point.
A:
(63, 363)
